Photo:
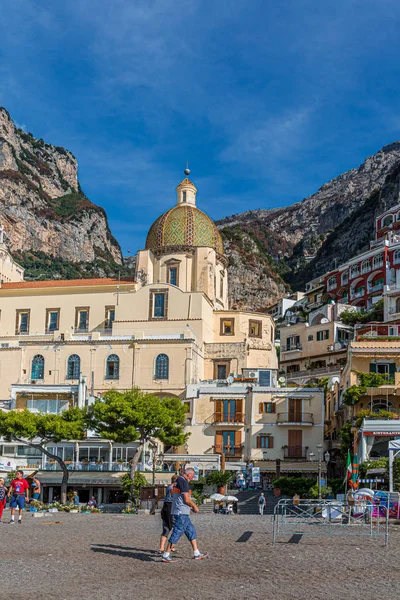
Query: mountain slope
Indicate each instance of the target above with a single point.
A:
(305, 239)
(42, 207)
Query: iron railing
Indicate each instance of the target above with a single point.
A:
(218, 417)
(307, 418)
(295, 452)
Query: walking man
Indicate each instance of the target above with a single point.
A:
(182, 504)
(261, 503)
(19, 489)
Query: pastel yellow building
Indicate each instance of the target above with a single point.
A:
(168, 328)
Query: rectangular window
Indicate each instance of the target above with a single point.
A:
(255, 330)
(227, 327)
(158, 304)
(82, 319)
(22, 321)
(109, 317)
(267, 407)
(221, 369)
(52, 319)
(265, 441)
(173, 275)
(322, 335)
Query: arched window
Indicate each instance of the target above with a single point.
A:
(112, 367)
(162, 367)
(398, 305)
(396, 257)
(332, 283)
(37, 367)
(387, 221)
(365, 266)
(73, 367)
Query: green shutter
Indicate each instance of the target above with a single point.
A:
(392, 370)
(372, 367)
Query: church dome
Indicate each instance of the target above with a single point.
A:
(184, 225)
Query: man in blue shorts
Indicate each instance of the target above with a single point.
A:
(18, 489)
(182, 504)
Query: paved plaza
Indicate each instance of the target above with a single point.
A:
(85, 557)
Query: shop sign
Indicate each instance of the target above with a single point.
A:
(255, 475)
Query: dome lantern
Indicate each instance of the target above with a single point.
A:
(186, 192)
(184, 225)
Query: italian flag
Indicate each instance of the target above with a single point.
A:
(349, 467)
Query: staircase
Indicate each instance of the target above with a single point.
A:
(248, 502)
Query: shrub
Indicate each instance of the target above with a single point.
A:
(290, 486)
(219, 478)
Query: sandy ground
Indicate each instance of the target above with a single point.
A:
(115, 557)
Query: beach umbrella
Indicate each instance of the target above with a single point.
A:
(217, 497)
(230, 499)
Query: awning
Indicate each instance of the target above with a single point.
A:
(86, 478)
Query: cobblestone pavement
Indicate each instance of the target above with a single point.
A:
(87, 557)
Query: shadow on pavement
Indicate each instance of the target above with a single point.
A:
(245, 536)
(295, 539)
(137, 553)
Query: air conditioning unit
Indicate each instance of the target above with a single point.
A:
(253, 374)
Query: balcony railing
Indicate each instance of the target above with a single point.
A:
(292, 348)
(230, 452)
(376, 287)
(218, 417)
(304, 418)
(87, 466)
(295, 452)
(359, 293)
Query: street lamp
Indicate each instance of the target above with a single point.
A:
(319, 449)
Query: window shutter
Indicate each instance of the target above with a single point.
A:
(273, 407)
(218, 442)
(392, 369)
(258, 441)
(261, 407)
(238, 439)
(270, 442)
(373, 367)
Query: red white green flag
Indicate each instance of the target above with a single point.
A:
(349, 466)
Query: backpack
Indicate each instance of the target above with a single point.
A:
(3, 492)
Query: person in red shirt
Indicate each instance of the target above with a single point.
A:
(19, 489)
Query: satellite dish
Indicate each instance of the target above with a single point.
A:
(230, 379)
(282, 379)
(324, 320)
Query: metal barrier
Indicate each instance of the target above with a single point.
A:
(331, 517)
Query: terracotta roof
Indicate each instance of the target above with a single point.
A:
(55, 283)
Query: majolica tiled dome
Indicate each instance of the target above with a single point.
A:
(184, 225)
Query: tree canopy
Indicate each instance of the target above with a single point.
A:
(134, 415)
(39, 429)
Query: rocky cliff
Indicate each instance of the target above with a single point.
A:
(43, 210)
(306, 239)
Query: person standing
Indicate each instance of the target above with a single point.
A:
(36, 488)
(261, 503)
(166, 514)
(19, 489)
(3, 498)
(76, 499)
(182, 504)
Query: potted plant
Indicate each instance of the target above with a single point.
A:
(220, 479)
(85, 509)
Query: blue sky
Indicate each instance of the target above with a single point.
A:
(266, 100)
